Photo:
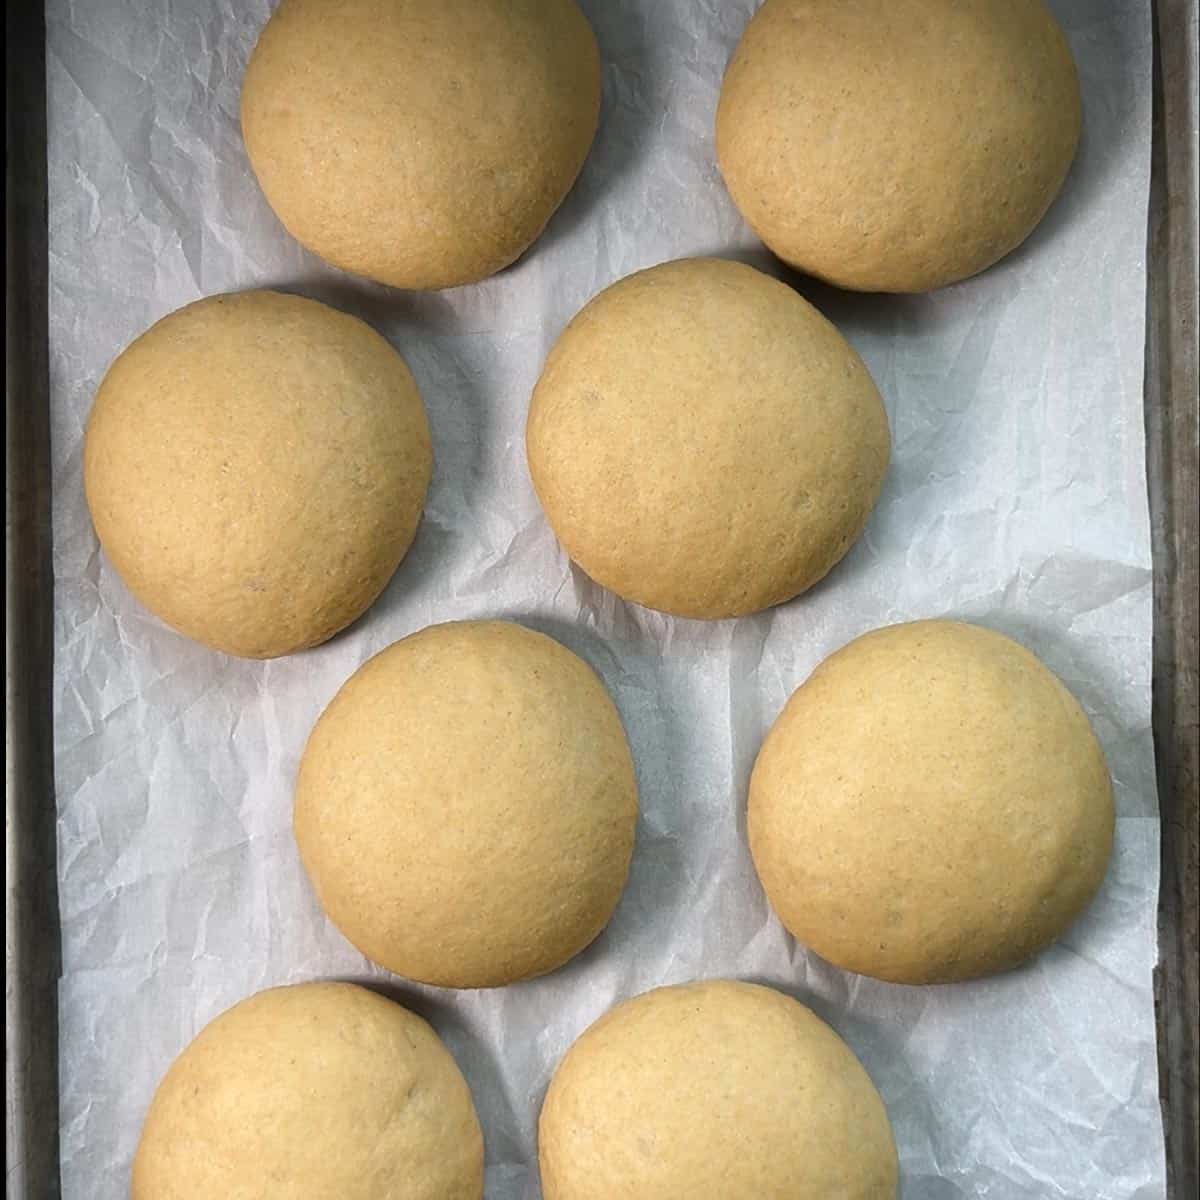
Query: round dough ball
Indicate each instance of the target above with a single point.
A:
(256, 466)
(320, 1091)
(704, 442)
(723, 1090)
(422, 143)
(930, 806)
(897, 145)
(466, 805)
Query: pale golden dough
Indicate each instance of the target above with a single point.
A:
(930, 806)
(897, 145)
(466, 805)
(704, 442)
(320, 1091)
(256, 465)
(720, 1090)
(422, 143)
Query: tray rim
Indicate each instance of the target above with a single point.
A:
(1171, 413)
(31, 955)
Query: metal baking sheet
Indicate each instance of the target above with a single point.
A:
(1172, 436)
(31, 942)
(30, 1033)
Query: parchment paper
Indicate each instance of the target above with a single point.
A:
(1017, 498)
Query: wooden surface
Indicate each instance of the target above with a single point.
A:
(31, 880)
(1173, 470)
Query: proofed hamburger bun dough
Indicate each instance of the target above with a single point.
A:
(720, 1090)
(897, 145)
(704, 442)
(466, 805)
(256, 465)
(930, 806)
(422, 143)
(320, 1091)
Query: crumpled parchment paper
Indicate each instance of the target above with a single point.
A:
(1017, 498)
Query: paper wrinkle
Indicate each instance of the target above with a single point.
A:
(1016, 497)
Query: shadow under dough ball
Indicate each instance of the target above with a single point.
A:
(256, 465)
(897, 145)
(320, 1091)
(704, 442)
(721, 1090)
(423, 144)
(930, 806)
(465, 806)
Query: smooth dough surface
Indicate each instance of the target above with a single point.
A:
(704, 442)
(930, 806)
(466, 805)
(319, 1091)
(422, 143)
(256, 466)
(720, 1090)
(897, 145)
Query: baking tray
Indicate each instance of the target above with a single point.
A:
(31, 923)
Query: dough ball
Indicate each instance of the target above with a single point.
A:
(466, 805)
(422, 143)
(256, 466)
(930, 806)
(718, 1090)
(321, 1091)
(897, 145)
(704, 442)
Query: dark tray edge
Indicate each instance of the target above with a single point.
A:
(32, 955)
(1173, 471)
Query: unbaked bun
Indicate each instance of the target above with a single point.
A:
(720, 1090)
(466, 805)
(931, 805)
(424, 143)
(256, 465)
(897, 145)
(704, 442)
(320, 1091)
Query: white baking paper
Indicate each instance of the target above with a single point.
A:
(1017, 498)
